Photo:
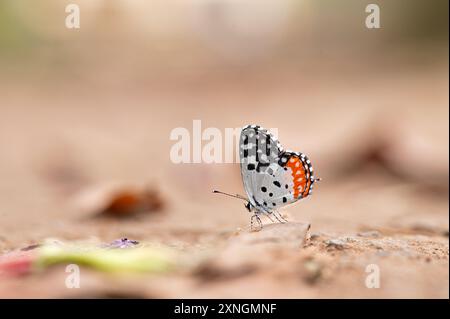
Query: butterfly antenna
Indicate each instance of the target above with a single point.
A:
(231, 195)
(318, 179)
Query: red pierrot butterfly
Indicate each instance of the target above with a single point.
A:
(272, 177)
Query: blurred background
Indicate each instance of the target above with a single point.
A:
(84, 109)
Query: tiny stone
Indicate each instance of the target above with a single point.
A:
(335, 243)
(370, 234)
(122, 243)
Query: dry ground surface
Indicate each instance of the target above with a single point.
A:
(383, 200)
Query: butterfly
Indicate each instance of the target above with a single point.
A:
(272, 176)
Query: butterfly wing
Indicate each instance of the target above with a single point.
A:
(298, 174)
(258, 150)
(272, 177)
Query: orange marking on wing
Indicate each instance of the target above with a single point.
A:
(306, 192)
(298, 175)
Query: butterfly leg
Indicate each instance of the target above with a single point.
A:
(255, 216)
(280, 218)
(268, 216)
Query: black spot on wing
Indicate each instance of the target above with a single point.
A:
(268, 145)
(283, 159)
(258, 167)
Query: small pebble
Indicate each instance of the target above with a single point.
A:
(335, 243)
(122, 243)
(370, 234)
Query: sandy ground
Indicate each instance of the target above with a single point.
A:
(383, 200)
